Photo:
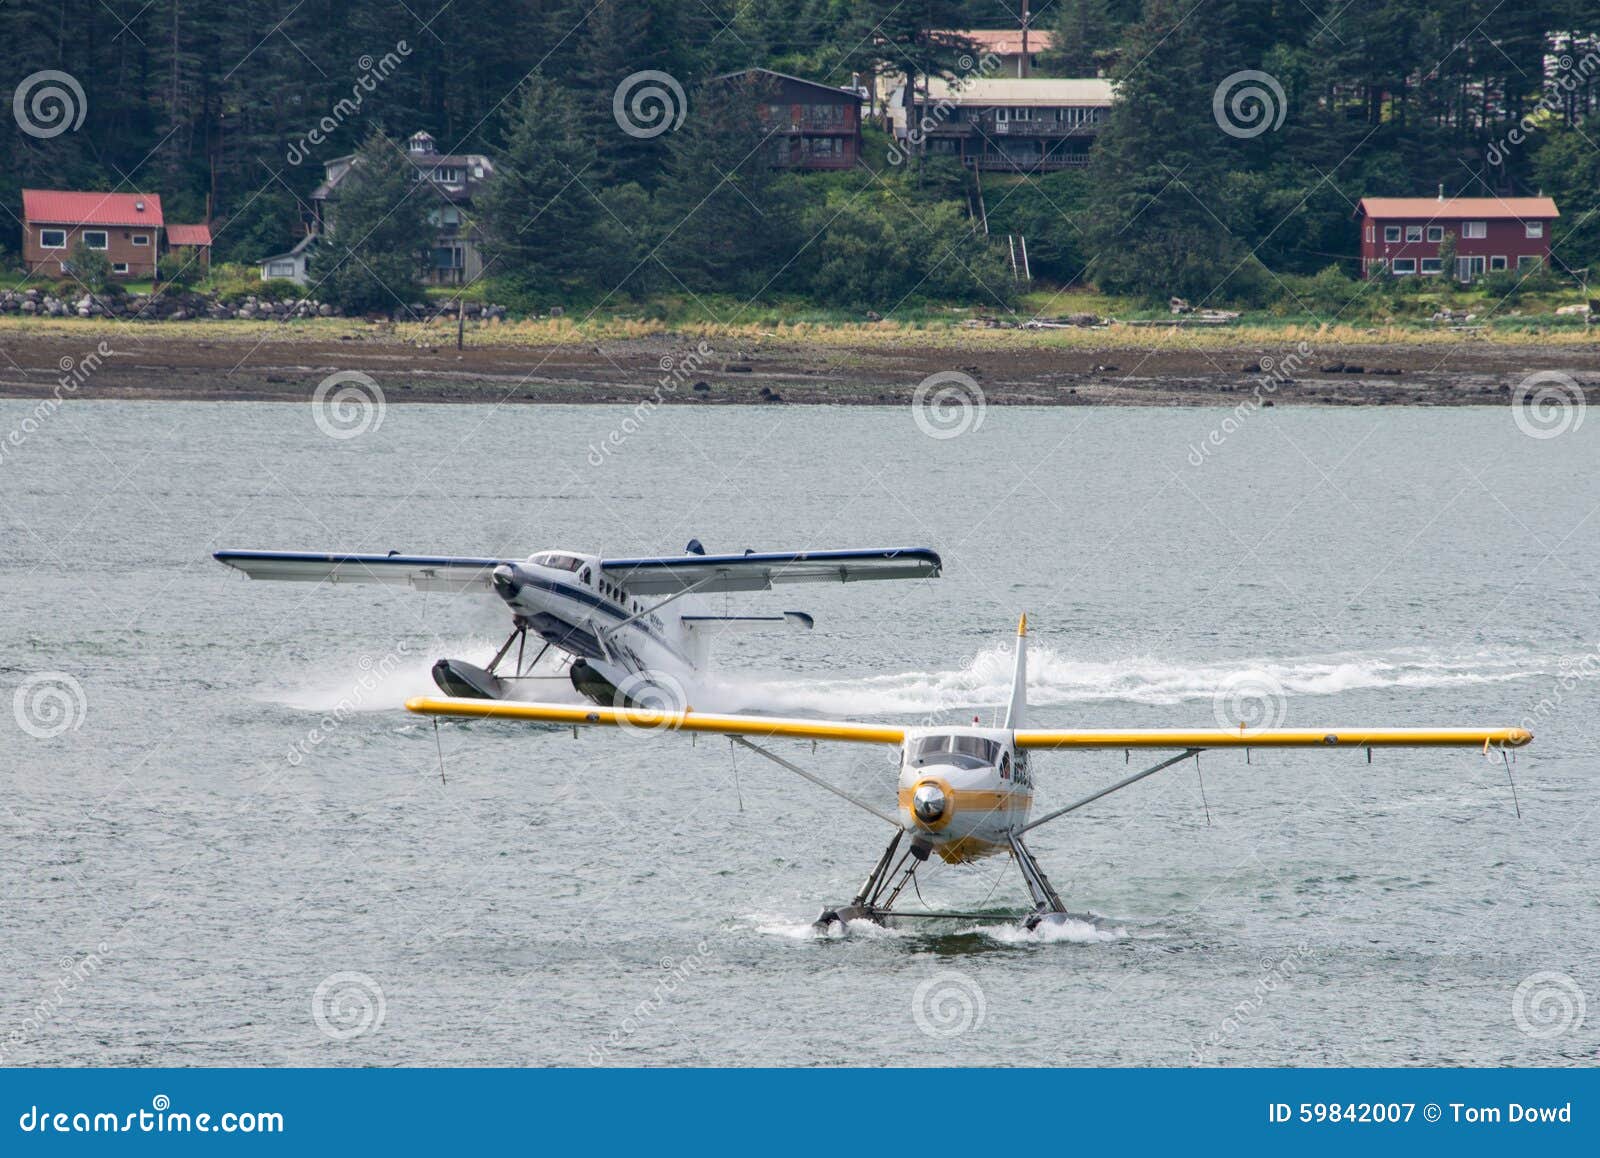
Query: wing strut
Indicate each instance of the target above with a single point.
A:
(1123, 783)
(815, 779)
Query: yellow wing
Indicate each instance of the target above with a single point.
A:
(1085, 738)
(651, 720)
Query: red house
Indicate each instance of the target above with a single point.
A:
(126, 227)
(1401, 236)
(812, 125)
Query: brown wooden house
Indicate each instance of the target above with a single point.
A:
(126, 227)
(814, 125)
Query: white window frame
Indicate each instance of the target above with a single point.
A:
(119, 267)
(1528, 261)
(1533, 229)
(1413, 233)
(1435, 233)
(1474, 230)
(141, 239)
(103, 235)
(44, 233)
(278, 269)
(1497, 263)
(1372, 232)
(1437, 263)
(1391, 235)
(1403, 266)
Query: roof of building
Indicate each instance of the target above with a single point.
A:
(1431, 208)
(300, 247)
(848, 93)
(1005, 41)
(1012, 92)
(188, 235)
(60, 207)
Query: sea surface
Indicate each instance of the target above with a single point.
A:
(226, 843)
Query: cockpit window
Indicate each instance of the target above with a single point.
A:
(961, 751)
(559, 562)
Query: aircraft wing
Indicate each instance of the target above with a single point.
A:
(418, 572)
(760, 571)
(651, 720)
(1092, 738)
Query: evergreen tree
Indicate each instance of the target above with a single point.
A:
(378, 233)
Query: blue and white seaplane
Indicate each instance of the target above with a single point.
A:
(967, 792)
(608, 618)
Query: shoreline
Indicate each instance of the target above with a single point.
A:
(207, 362)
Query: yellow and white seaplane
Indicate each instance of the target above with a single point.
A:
(966, 792)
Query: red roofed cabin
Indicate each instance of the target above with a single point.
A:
(192, 245)
(126, 227)
(1401, 235)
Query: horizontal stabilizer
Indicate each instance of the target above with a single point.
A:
(709, 625)
(762, 571)
(418, 572)
(647, 719)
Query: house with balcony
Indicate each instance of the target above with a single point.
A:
(1402, 236)
(1008, 124)
(813, 125)
(455, 256)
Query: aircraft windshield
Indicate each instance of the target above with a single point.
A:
(559, 562)
(961, 751)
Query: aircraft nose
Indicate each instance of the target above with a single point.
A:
(928, 802)
(506, 581)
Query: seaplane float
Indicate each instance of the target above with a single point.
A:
(966, 792)
(607, 619)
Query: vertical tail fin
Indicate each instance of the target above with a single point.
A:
(1019, 679)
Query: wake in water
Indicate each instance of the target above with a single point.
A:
(373, 682)
(1055, 678)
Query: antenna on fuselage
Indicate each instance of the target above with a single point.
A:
(1019, 678)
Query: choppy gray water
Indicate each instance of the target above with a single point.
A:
(192, 876)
